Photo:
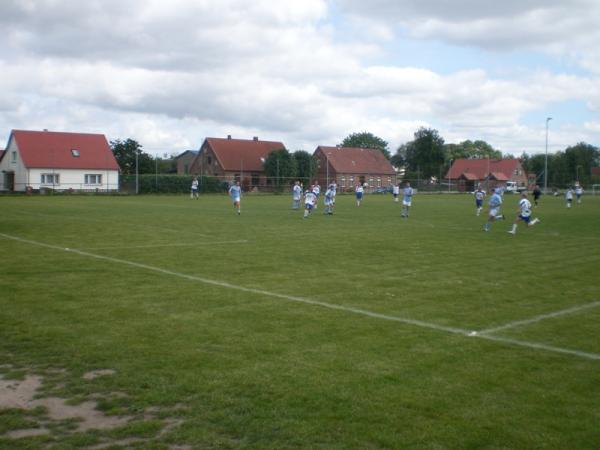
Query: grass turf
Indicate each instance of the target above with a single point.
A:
(241, 369)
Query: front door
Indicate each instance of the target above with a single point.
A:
(9, 181)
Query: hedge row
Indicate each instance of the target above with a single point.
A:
(171, 184)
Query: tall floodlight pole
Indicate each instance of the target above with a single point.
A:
(548, 119)
(137, 173)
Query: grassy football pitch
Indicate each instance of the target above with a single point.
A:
(266, 331)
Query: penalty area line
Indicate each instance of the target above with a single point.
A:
(308, 301)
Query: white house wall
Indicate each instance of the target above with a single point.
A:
(9, 165)
(74, 179)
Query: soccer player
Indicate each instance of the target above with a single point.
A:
(407, 200)
(329, 199)
(316, 189)
(578, 192)
(537, 192)
(235, 192)
(194, 193)
(494, 205)
(296, 195)
(524, 214)
(479, 196)
(396, 191)
(569, 197)
(359, 191)
(309, 202)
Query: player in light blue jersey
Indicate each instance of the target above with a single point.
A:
(569, 196)
(329, 199)
(494, 205)
(235, 192)
(524, 214)
(479, 196)
(296, 195)
(406, 200)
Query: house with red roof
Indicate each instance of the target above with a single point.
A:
(235, 160)
(349, 165)
(37, 160)
(467, 174)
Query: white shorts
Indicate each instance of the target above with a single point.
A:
(406, 203)
(494, 211)
(236, 200)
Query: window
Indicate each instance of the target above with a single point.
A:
(343, 182)
(378, 181)
(75, 152)
(14, 157)
(50, 178)
(93, 178)
(209, 159)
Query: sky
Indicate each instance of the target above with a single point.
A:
(303, 72)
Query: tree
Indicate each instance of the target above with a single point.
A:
(472, 150)
(366, 140)
(125, 152)
(306, 166)
(280, 165)
(425, 154)
(579, 161)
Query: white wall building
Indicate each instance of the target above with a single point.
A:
(59, 161)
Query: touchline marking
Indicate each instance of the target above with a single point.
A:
(240, 241)
(307, 301)
(541, 317)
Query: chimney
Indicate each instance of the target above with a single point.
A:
(45, 129)
(255, 138)
(229, 136)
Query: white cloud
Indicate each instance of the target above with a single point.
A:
(170, 74)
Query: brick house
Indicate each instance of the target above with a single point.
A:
(184, 161)
(348, 165)
(58, 161)
(490, 173)
(235, 160)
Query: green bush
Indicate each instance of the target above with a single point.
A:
(172, 184)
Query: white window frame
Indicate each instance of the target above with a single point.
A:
(50, 179)
(92, 179)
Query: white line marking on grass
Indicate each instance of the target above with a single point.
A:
(418, 323)
(541, 317)
(202, 244)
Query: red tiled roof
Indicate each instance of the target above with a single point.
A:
(357, 160)
(246, 154)
(481, 167)
(499, 176)
(48, 149)
(469, 176)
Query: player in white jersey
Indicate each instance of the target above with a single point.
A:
(358, 192)
(194, 193)
(309, 202)
(406, 200)
(396, 192)
(329, 199)
(235, 192)
(316, 189)
(296, 195)
(569, 197)
(524, 214)
(479, 196)
(578, 192)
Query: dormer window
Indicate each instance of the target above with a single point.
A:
(75, 152)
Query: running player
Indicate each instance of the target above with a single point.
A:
(194, 193)
(396, 192)
(494, 205)
(329, 199)
(309, 202)
(524, 214)
(406, 200)
(479, 196)
(235, 192)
